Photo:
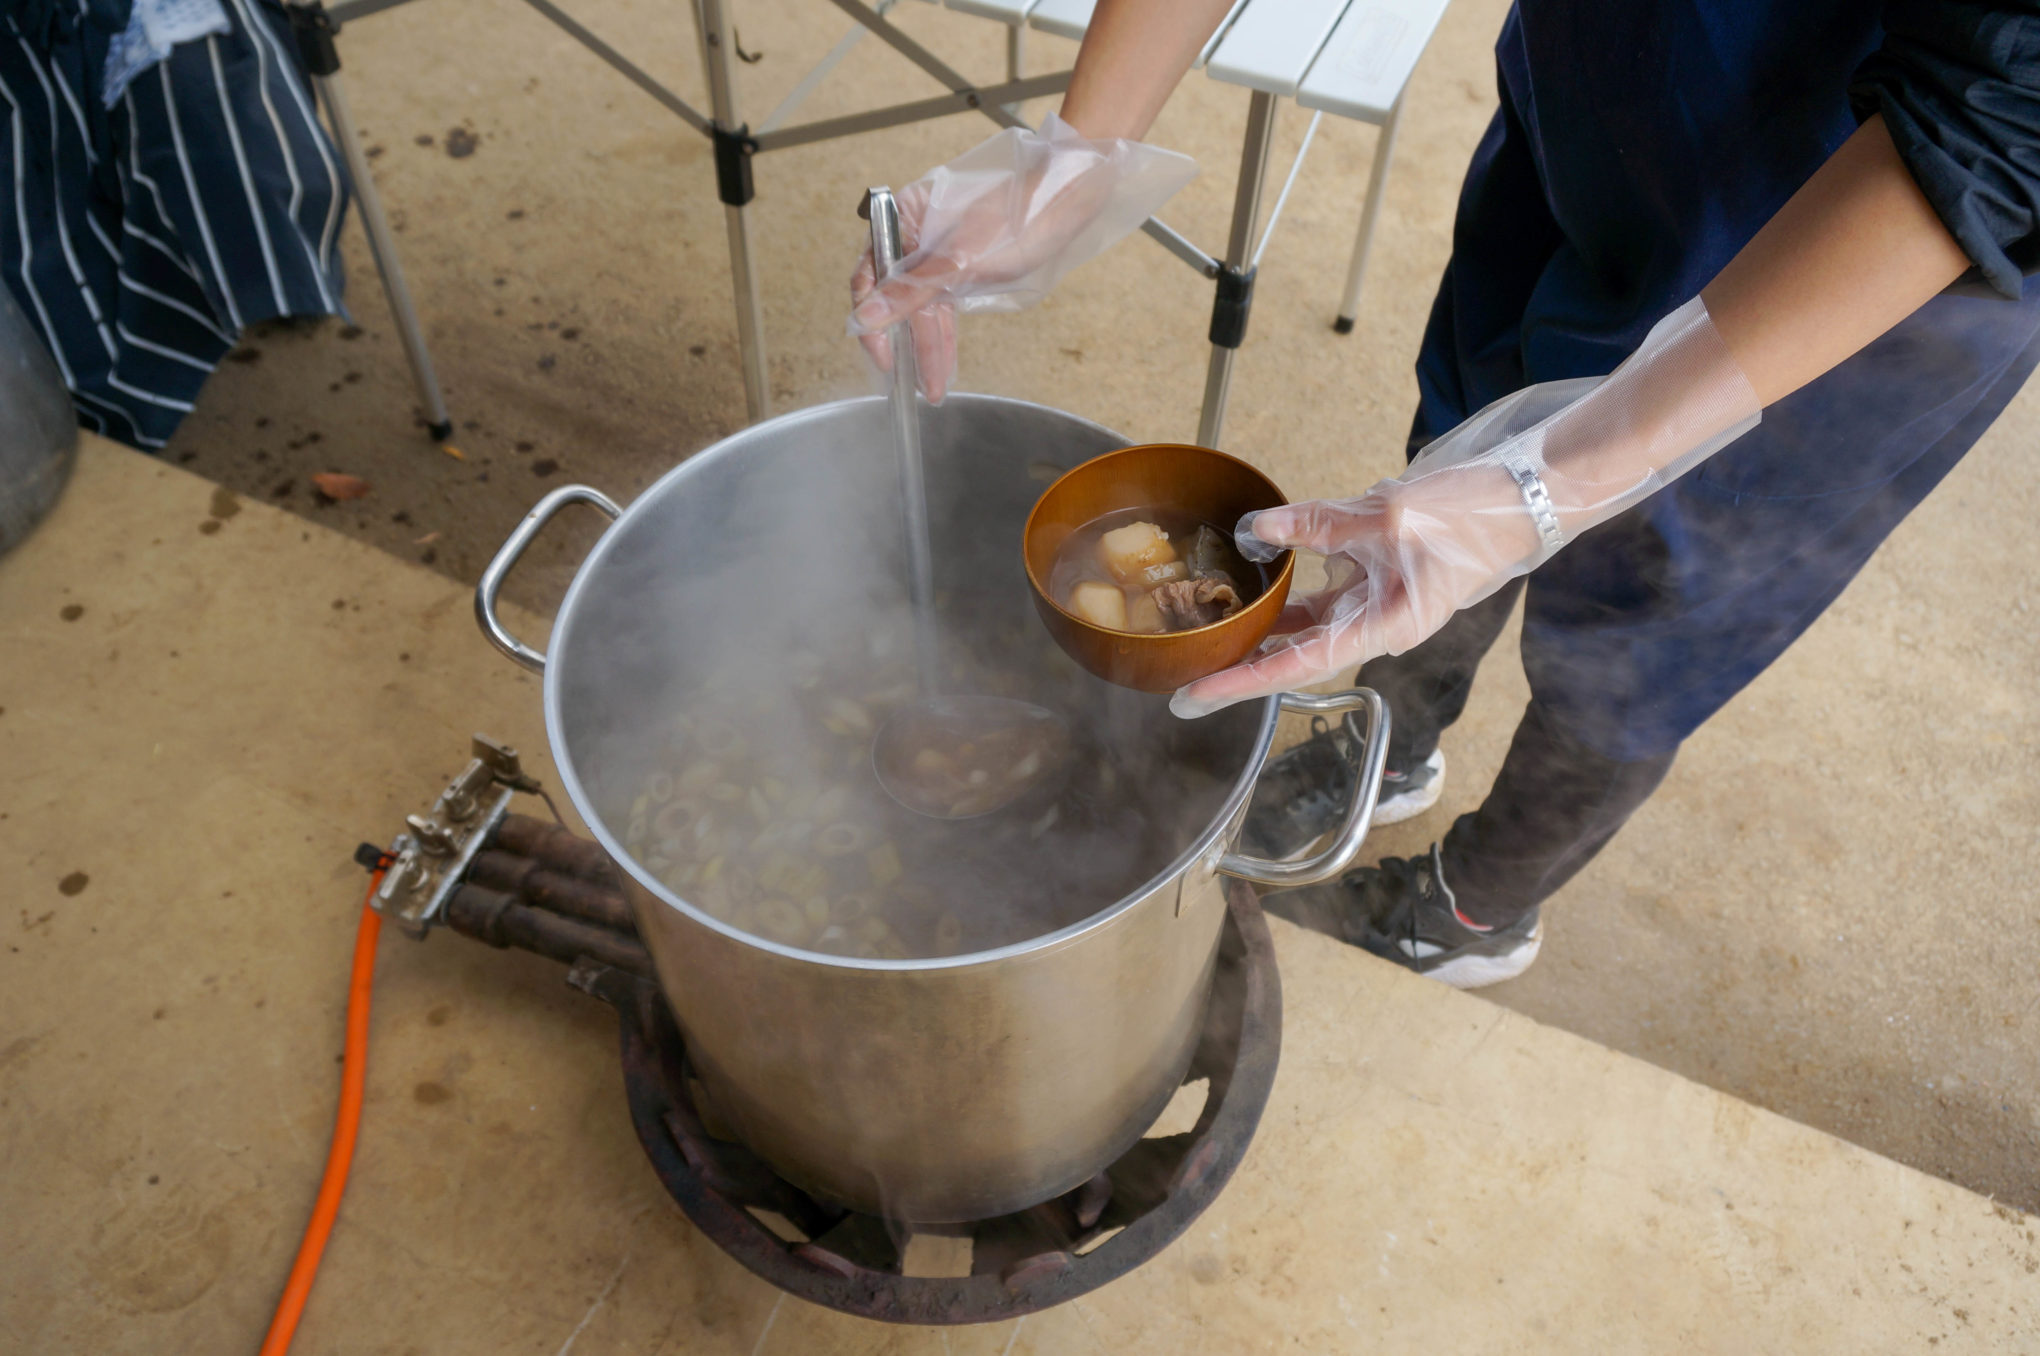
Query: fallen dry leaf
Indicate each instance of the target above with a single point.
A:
(425, 540)
(338, 485)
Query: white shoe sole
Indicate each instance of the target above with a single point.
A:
(1396, 809)
(1477, 972)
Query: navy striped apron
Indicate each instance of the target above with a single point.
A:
(141, 239)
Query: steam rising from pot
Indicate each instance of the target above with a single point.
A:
(728, 660)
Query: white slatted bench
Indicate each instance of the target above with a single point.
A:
(1348, 58)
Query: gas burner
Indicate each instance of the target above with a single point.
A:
(537, 887)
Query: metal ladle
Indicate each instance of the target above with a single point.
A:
(932, 723)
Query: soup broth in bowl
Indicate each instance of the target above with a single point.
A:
(1153, 570)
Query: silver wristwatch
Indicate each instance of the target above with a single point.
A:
(1538, 500)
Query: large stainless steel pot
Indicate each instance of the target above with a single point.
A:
(934, 1090)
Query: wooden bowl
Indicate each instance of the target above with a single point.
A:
(1197, 481)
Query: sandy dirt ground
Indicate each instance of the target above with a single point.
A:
(1828, 908)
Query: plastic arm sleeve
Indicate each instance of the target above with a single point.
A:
(1492, 499)
(999, 226)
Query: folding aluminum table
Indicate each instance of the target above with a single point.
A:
(1350, 58)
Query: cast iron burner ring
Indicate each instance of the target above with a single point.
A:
(841, 1259)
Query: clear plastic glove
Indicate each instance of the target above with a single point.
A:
(1493, 499)
(996, 228)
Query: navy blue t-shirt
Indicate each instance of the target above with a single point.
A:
(1641, 144)
(1666, 134)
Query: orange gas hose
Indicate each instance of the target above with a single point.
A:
(353, 1075)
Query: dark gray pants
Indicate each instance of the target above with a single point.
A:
(1555, 802)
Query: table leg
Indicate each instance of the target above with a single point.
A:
(1236, 278)
(383, 247)
(718, 47)
(1016, 57)
(1377, 176)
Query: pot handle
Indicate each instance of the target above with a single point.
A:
(1345, 844)
(507, 556)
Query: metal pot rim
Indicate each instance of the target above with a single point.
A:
(1205, 844)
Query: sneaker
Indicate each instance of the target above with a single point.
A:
(1403, 911)
(1405, 795)
(1304, 791)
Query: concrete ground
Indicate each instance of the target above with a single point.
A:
(171, 1007)
(1826, 910)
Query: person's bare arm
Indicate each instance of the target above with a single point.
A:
(1856, 250)
(1134, 55)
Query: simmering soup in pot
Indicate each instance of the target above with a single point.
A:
(757, 803)
(1149, 570)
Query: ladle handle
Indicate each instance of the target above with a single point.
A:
(1345, 844)
(507, 555)
(886, 252)
(884, 211)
